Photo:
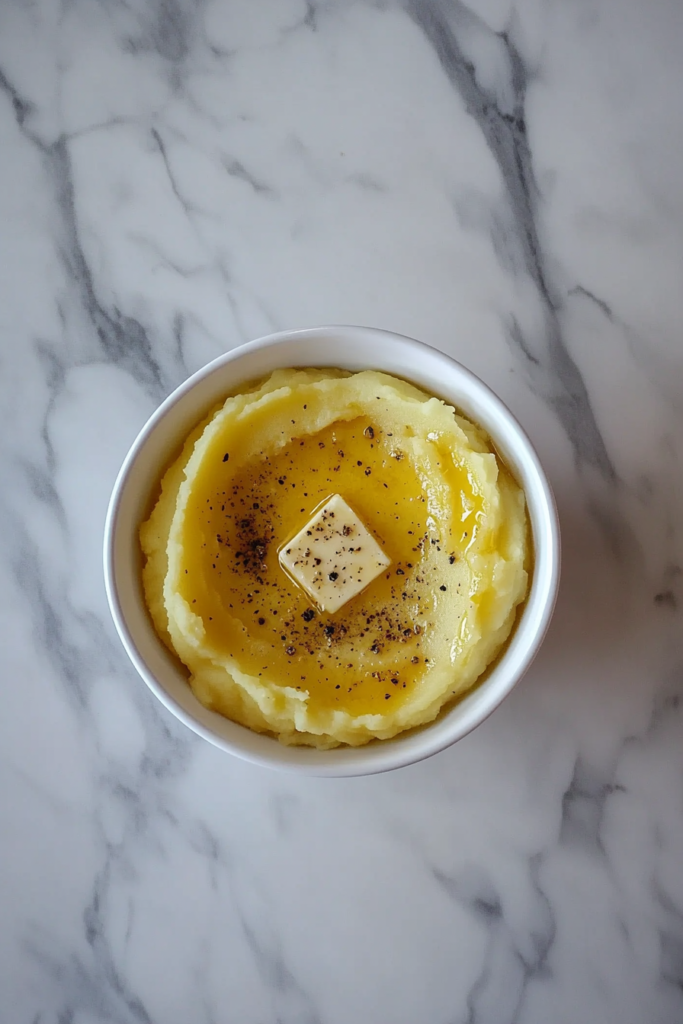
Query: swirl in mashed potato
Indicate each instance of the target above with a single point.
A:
(423, 479)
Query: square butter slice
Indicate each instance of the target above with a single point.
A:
(334, 557)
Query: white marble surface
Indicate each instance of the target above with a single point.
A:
(504, 181)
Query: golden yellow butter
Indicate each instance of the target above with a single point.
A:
(422, 479)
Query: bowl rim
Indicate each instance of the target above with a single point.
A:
(415, 745)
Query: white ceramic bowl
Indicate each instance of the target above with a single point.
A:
(353, 348)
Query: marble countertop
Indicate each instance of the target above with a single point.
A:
(502, 180)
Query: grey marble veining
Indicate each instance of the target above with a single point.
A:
(501, 180)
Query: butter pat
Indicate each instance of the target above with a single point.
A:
(334, 557)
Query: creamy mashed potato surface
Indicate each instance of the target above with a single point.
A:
(422, 478)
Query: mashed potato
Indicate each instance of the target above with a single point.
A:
(423, 479)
